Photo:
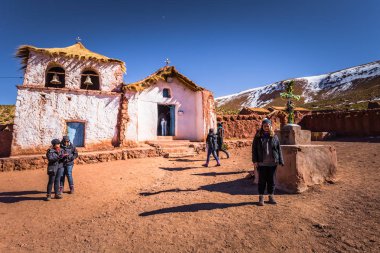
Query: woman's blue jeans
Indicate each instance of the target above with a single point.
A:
(68, 172)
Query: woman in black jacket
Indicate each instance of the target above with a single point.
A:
(266, 155)
(68, 163)
(55, 158)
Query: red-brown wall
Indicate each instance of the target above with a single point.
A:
(344, 123)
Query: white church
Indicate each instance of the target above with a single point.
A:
(74, 91)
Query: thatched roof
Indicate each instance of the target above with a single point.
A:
(250, 110)
(283, 108)
(77, 50)
(162, 74)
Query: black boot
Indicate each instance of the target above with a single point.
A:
(272, 200)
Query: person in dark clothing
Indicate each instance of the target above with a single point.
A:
(211, 147)
(55, 158)
(266, 155)
(68, 163)
(220, 134)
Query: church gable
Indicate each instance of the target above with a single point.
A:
(166, 74)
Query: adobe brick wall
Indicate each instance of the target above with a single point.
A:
(344, 123)
(245, 126)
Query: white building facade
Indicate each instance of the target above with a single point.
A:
(73, 91)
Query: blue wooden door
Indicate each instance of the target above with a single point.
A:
(172, 120)
(75, 131)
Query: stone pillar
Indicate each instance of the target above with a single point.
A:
(305, 164)
(292, 134)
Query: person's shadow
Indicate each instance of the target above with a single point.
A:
(14, 197)
(195, 208)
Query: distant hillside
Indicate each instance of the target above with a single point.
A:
(350, 88)
(7, 114)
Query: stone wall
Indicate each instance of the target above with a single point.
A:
(40, 161)
(42, 115)
(344, 123)
(33, 162)
(245, 126)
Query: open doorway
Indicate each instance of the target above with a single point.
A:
(166, 120)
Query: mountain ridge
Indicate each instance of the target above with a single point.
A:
(349, 88)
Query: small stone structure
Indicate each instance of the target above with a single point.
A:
(292, 134)
(305, 164)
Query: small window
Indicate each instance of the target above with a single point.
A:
(166, 93)
(55, 77)
(89, 80)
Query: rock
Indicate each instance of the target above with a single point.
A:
(305, 166)
(292, 134)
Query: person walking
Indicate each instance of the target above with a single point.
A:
(71, 154)
(211, 147)
(220, 135)
(266, 155)
(55, 168)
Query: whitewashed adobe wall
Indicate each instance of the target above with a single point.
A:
(111, 74)
(143, 114)
(42, 116)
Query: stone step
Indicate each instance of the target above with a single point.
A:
(179, 155)
(175, 149)
(170, 138)
(179, 143)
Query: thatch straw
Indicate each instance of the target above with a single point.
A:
(75, 51)
(282, 108)
(162, 74)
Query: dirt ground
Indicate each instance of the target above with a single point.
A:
(176, 205)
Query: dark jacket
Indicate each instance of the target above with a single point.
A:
(71, 152)
(212, 141)
(54, 161)
(220, 135)
(258, 149)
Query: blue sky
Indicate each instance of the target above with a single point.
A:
(224, 45)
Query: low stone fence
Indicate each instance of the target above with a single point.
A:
(344, 123)
(33, 162)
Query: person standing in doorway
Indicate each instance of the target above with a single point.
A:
(211, 147)
(220, 135)
(55, 158)
(71, 154)
(266, 155)
(163, 127)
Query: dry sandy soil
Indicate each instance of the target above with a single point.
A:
(161, 205)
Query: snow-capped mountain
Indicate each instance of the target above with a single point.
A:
(341, 88)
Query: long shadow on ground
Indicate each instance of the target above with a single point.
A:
(213, 174)
(186, 160)
(239, 186)
(195, 208)
(178, 168)
(13, 197)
